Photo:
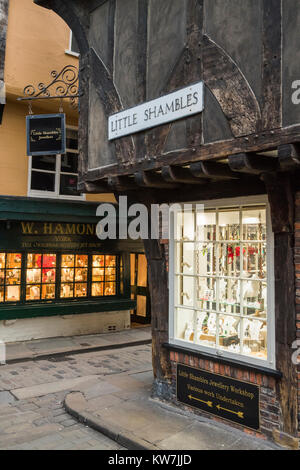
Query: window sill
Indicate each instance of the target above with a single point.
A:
(230, 362)
(74, 54)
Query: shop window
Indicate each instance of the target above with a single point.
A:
(10, 277)
(56, 175)
(74, 276)
(40, 277)
(103, 275)
(222, 284)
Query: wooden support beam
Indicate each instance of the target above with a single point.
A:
(152, 180)
(93, 188)
(289, 157)
(122, 183)
(212, 170)
(175, 174)
(252, 163)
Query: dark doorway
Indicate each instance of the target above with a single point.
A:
(139, 289)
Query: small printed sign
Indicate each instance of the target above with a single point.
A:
(177, 105)
(227, 398)
(46, 134)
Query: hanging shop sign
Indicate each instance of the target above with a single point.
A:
(177, 105)
(227, 398)
(46, 134)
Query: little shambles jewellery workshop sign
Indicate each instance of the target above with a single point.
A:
(177, 105)
(227, 398)
(46, 134)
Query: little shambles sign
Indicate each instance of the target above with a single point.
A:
(46, 134)
(179, 104)
(221, 396)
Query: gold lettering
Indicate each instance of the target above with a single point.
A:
(80, 229)
(47, 229)
(58, 229)
(90, 229)
(70, 229)
(27, 227)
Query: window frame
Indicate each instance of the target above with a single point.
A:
(57, 172)
(271, 341)
(69, 50)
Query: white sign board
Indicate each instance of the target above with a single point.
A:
(168, 108)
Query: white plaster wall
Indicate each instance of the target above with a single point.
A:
(69, 325)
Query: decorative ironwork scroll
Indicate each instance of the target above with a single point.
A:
(64, 84)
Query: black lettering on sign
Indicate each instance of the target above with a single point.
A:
(227, 398)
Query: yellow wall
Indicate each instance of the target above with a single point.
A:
(36, 42)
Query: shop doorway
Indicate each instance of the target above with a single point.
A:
(141, 315)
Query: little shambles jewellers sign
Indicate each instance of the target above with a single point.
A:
(46, 134)
(227, 398)
(177, 105)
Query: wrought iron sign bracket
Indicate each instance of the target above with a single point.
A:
(64, 85)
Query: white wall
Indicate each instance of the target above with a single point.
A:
(69, 325)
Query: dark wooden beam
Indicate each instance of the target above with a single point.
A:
(212, 170)
(152, 180)
(252, 163)
(122, 183)
(289, 156)
(176, 174)
(281, 198)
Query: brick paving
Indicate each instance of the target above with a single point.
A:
(40, 422)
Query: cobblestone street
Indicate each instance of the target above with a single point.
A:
(32, 393)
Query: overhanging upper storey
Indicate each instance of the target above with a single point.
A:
(138, 52)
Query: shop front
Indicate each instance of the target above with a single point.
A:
(191, 102)
(52, 264)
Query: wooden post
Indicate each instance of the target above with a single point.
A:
(281, 199)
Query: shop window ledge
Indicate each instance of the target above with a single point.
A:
(12, 312)
(222, 360)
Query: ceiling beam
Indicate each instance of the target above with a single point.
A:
(212, 170)
(289, 156)
(176, 174)
(151, 180)
(252, 164)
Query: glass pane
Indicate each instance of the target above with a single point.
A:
(33, 276)
(208, 337)
(42, 181)
(44, 162)
(13, 276)
(81, 275)
(72, 139)
(82, 261)
(184, 324)
(14, 260)
(67, 261)
(1, 294)
(110, 288)
(255, 338)
(141, 306)
(68, 185)
(67, 275)
(13, 293)
(142, 271)
(229, 225)
(185, 257)
(80, 290)
(98, 260)
(33, 292)
(48, 291)
(97, 289)
(229, 295)
(228, 255)
(254, 298)
(34, 261)
(2, 260)
(229, 333)
(67, 291)
(110, 274)
(2, 276)
(206, 226)
(206, 293)
(98, 274)
(69, 163)
(185, 291)
(206, 259)
(48, 275)
(255, 260)
(49, 261)
(254, 224)
(110, 260)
